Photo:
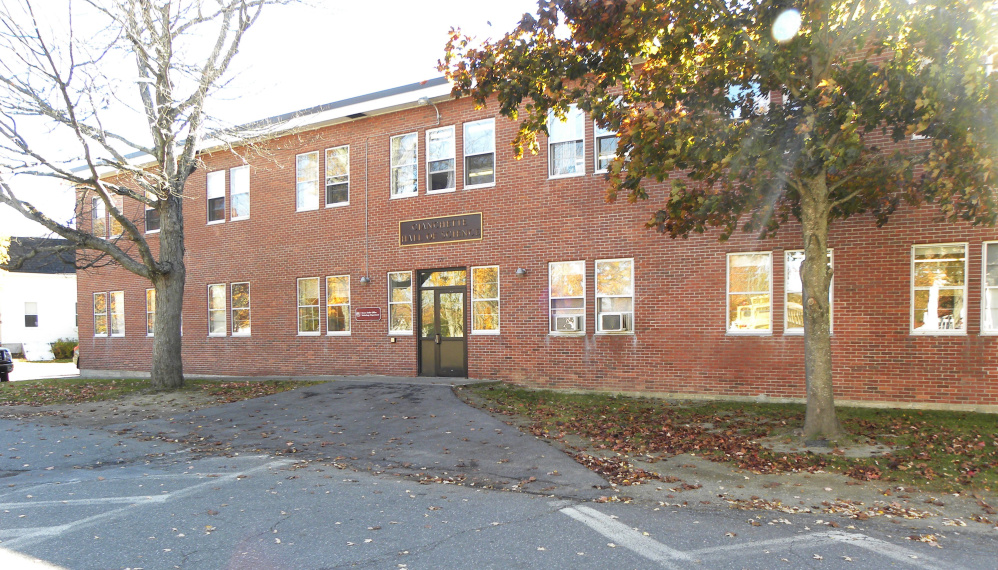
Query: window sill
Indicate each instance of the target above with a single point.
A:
(149, 335)
(307, 209)
(444, 191)
(399, 333)
(400, 196)
(216, 222)
(240, 218)
(477, 186)
(308, 333)
(614, 333)
(122, 335)
(749, 333)
(217, 336)
(240, 335)
(939, 333)
(152, 232)
(338, 333)
(338, 205)
(580, 334)
(485, 333)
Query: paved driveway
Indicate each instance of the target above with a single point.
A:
(383, 425)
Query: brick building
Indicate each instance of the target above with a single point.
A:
(396, 234)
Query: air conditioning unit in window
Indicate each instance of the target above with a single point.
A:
(568, 324)
(615, 322)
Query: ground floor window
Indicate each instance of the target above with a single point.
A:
(939, 289)
(241, 309)
(485, 300)
(750, 292)
(308, 306)
(990, 322)
(116, 312)
(216, 310)
(31, 314)
(793, 305)
(338, 305)
(150, 311)
(400, 302)
(100, 314)
(615, 295)
(567, 297)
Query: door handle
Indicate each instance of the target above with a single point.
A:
(437, 339)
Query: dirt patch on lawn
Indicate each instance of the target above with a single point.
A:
(128, 408)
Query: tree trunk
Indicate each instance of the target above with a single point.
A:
(820, 420)
(167, 353)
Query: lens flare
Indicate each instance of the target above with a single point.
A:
(786, 26)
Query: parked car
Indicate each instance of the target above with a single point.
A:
(6, 365)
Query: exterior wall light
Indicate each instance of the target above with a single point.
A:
(365, 280)
(521, 272)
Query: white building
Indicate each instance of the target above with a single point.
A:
(37, 297)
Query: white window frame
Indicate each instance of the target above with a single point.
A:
(394, 192)
(728, 293)
(347, 305)
(318, 305)
(97, 205)
(105, 314)
(110, 313)
(579, 142)
(237, 174)
(985, 288)
(299, 181)
(118, 203)
(911, 303)
(248, 308)
(150, 331)
(411, 304)
(551, 328)
(211, 192)
(600, 313)
(145, 214)
(452, 158)
(325, 188)
(464, 144)
(598, 134)
(485, 299)
(798, 331)
(223, 310)
(27, 314)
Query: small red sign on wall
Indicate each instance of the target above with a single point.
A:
(367, 314)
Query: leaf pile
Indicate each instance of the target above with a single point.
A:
(950, 451)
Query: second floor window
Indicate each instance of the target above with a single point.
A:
(566, 144)
(606, 147)
(440, 159)
(216, 196)
(405, 170)
(480, 153)
(151, 215)
(307, 181)
(338, 176)
(239, 191)
(99, 215)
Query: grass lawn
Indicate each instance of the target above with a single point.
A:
(79, 390)
(930, 450)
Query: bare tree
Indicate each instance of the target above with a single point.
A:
(64, 82)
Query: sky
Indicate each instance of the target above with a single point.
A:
(321, 51)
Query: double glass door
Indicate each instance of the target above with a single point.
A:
(442, 344)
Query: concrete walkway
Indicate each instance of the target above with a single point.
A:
(411, 427)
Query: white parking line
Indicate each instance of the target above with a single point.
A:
(889, 550)
(41, 534)
(88, 502)
(626, 536)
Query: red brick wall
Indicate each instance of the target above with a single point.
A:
(679, 346)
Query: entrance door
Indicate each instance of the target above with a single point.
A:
(442, 344)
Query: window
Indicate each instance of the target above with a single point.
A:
(400, 302)
(338, 176)
(566, 144)
(117, 312)
(989, 323)
(606, 147)
(31, 315)
(567, 284)
(150, 312)
(404, 168)
(749, 292)
(216, 310)
(440, 160)
(216, 196)
(793, 302)
(615, 295)
(480, 153)
(485, 300)
(99, 213)
(338, 305)
(100, 314)
(751, 95)
(307, 181)
(939, 289)
(151, 215)
(241, 309)
(308, 306)
(239, 192)
(116, 228)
